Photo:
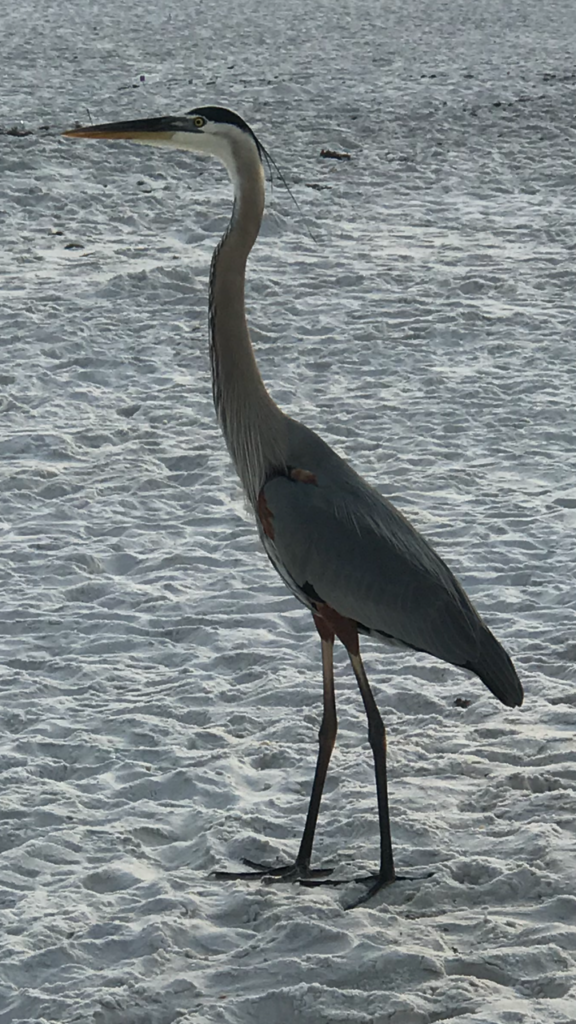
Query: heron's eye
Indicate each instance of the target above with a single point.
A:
(199, 122)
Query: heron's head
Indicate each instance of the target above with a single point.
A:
(209, 131)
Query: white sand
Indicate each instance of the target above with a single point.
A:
(161, 689)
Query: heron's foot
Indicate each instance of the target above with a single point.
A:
(287, 873)
(313, 877)
(381, 881)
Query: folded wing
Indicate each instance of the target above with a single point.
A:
(346, 546)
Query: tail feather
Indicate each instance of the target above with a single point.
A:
(494, 667)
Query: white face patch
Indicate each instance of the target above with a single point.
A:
(226, 142)
(194, 142)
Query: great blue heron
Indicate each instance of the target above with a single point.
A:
(345, 551)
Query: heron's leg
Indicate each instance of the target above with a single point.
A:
(300, 870)
(377, 739)
(326, 740)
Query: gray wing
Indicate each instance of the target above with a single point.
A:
(343, 543)
(335, 540)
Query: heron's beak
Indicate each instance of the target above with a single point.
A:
(156, 131)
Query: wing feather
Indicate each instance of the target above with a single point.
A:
(364, 559)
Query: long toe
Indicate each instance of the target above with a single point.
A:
(293, 871)
(283, 873)
(374, 883)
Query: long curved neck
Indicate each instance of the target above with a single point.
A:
(252, 423)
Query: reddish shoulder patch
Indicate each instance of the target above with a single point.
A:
(265, 515)
(303, 476)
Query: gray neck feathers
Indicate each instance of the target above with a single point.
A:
(252, 424)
